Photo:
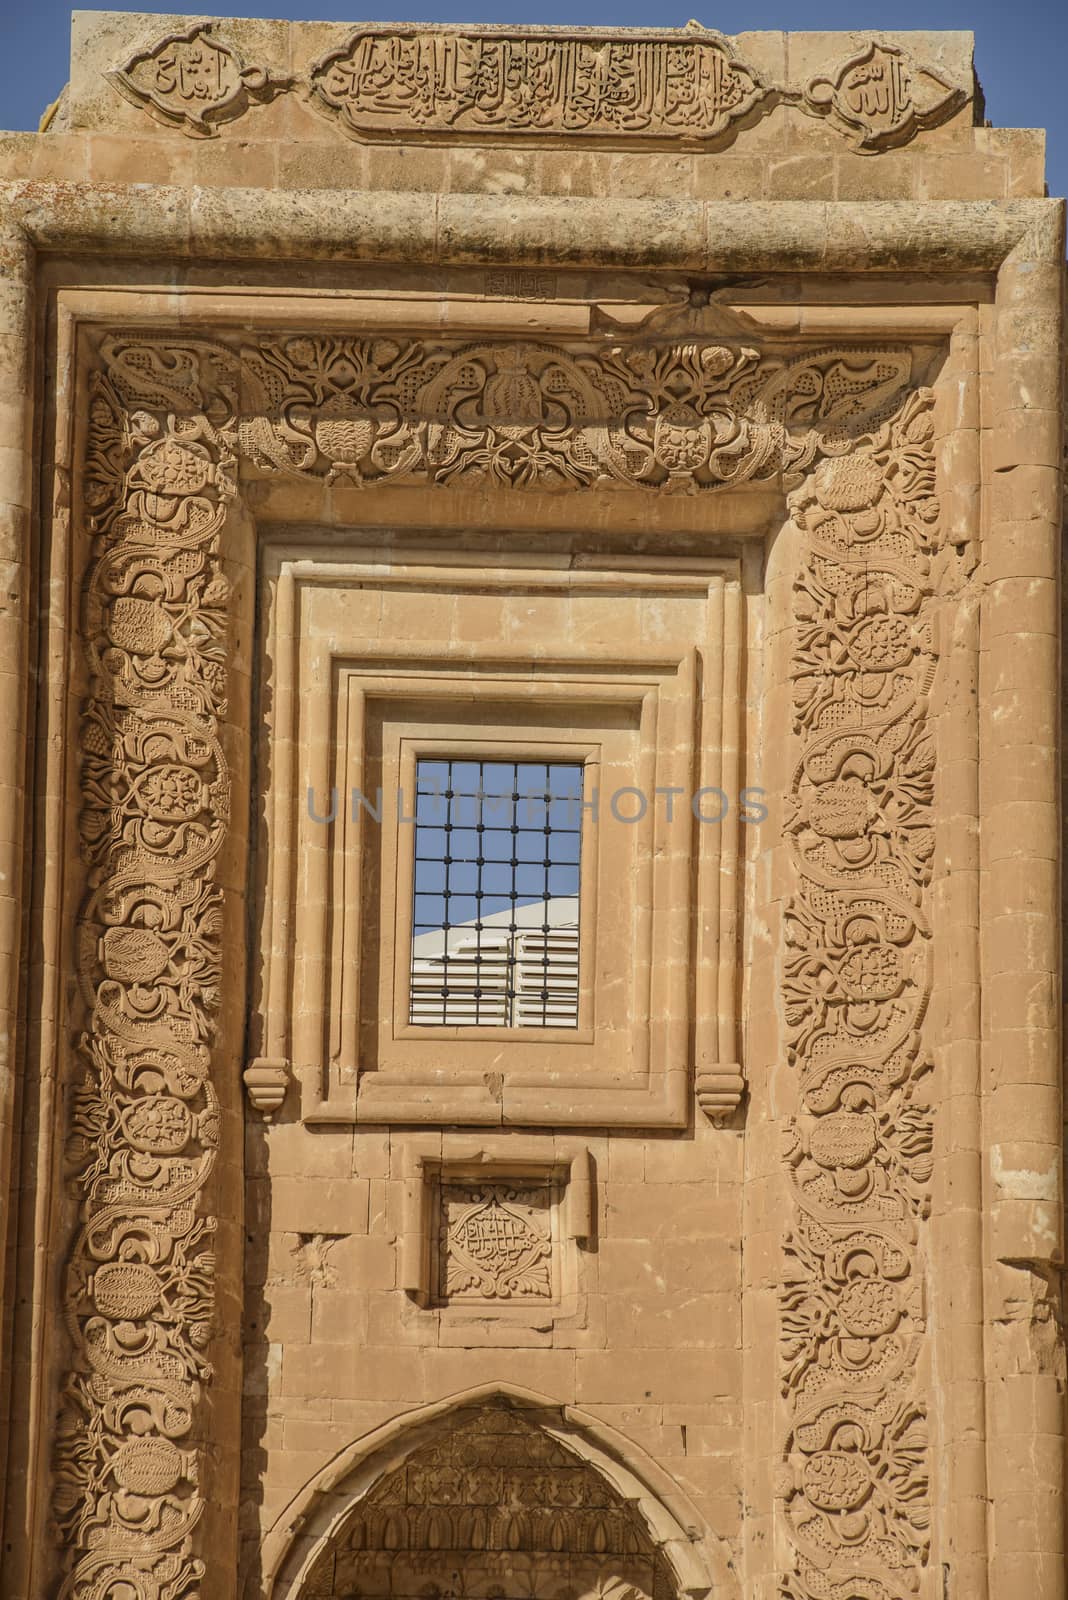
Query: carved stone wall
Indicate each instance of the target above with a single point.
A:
(170, 423)
(689, 403)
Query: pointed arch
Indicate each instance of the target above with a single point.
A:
(692, 1562)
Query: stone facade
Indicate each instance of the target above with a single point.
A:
(684, 410)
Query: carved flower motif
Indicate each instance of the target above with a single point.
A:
(844, 1139)
(343, 432)
(302, 351)
(147, 1466)
(173, 793)
(682, 438)
(840, 810)
(872, 972)
(158, 1124)
(138, 625)
(716, 359)
(134, 955)
(882, 643)
(513, 399)
(848, 483)
(868, 1307)
(170, 467)
(125, 1289)
(835, 1480)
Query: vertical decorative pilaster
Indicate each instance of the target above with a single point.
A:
(139, 1294)
(857, 978)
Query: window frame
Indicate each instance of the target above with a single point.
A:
(311, 889)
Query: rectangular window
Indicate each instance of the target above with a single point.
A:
(495, 923)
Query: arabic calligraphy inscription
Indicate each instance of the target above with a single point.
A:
(882, 97)
(443, 81)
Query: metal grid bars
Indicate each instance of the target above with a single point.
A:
(495, 926)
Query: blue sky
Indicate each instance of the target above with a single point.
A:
(1021, 49)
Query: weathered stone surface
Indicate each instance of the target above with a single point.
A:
(682, 409)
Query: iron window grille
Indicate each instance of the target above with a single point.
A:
(495, 925)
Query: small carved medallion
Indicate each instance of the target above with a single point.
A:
(444, 81)
(192, 81)
(495, 1242)
(882, 97)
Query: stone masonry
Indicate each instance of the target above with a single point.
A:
(680, 413)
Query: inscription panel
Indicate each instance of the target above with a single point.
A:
(389, 81)
(495, 1242)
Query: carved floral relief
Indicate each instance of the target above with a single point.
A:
(144, 1127)
(856, 981)
(495, 1242)
(671, 416)
(171, 422)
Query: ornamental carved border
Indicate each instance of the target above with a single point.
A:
(173, 424)
(857, 978)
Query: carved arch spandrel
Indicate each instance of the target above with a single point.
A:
(173, 424)
(666, 1526)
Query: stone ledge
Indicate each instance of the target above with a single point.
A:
(361, 225)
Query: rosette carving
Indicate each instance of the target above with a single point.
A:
(856, 980)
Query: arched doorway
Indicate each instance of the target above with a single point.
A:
(494, 1499)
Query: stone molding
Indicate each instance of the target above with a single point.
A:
(716, 237)
(1026, 250)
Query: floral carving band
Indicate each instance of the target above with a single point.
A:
(174, 423)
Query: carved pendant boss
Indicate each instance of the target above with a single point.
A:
(173, 423)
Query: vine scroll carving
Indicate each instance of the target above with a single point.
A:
(172, 426)
(857, 982)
